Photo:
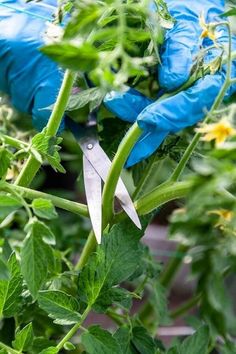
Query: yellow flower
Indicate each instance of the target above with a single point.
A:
(208, 29)
(217, 131)
(225, 216)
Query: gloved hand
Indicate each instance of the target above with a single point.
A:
(29, 77)
(158, 119)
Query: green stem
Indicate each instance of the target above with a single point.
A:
(115, 171)
(8, 349)
(32, 166)
(16, 143)
(89, 247)
(173, 266)
(118, 319)
(184, 308)
(161, 195)
(28, 172)
(61, 203)
(74, 329)
(233, 81)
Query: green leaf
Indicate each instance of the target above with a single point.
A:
(50, 350)
(231, 12)
(99, 341)
(115, 295)
(60, 306)
(80, 58)
(41, 343)
(159, 303)
(197, 343)
(11, 289)
(5, 160)
(48, 147)
(45, 232)
(142, 341)
(216, 293)
(8, 204)
(4, 271)
(92, 95)
(34, 258)
(3, 351)
(107, 268)
(24, 338)
(123, 336)
(44, 208)
(174, 350)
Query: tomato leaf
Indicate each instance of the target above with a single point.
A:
(5, 160)
(24, 338)
(99, 341)
(44, 208)
(11, 289)
(35, 258)
(8, 204)
(61, 307)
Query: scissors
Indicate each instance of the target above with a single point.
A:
(96, 165)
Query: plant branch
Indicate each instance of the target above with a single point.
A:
(115, 171)
(185, 307)
(58, 202)
(16, 143)
(74, 329)
(32, 166)
(161, 195)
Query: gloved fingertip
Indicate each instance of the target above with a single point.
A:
(176, 65)
(145, 147)
(126, 105)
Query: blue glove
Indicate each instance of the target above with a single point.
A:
(27, 76)
(158, 119)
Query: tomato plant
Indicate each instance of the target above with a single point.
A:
(53, 275)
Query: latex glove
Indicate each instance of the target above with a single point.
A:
(27, 76)
(158, 119)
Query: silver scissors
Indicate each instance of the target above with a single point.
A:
(96, 165)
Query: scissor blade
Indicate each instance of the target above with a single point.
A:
(101, 162)
(93, 190)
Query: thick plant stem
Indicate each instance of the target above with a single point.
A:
(32, 166)
(109, 189)
(28, 172)
(162, 194)
(74, 329)
(58, 202)
(184, 308)
(117, 164)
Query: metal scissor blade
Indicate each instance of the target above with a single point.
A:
(93, 189)
(101, 162)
